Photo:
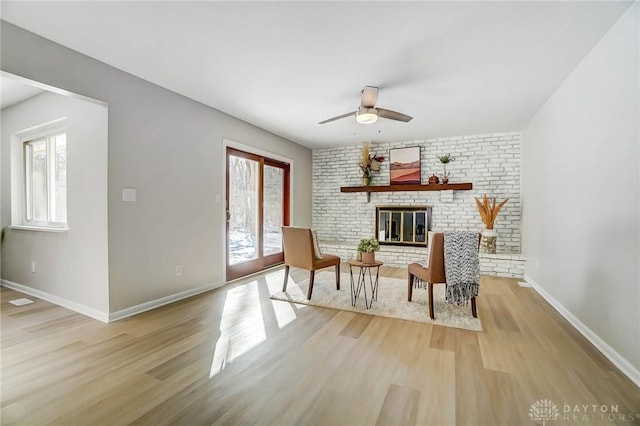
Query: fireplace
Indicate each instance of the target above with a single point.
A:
(403, 226)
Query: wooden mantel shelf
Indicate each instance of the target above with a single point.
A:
(416, 187)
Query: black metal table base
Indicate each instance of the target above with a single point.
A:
(361, 285)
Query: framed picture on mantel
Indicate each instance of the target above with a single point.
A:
(404, 166)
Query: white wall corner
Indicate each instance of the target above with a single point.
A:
(618, 360)
(104, 316)
(56, 300)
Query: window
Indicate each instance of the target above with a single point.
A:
(45, 180)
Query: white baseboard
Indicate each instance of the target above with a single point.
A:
(57, 300)
(114, 316)
(147, 306)
(618, 360)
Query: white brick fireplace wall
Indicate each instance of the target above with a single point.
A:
(491, 162)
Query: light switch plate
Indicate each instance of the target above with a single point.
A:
(128, 194)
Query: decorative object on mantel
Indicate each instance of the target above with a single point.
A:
(366, 250)
(433, 179)
(369, 163)
(404, 165)
(445, 159)
(488, 213)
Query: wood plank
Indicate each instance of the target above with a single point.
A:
(320, 366)
(500, 312)
(400, 406)
(357, 326)
(442, 338)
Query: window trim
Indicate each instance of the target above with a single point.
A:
(40, 228)
(47, 132)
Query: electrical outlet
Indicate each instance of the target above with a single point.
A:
(33, 266)
(178, 270)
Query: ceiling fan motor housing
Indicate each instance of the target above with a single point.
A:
(366, 115)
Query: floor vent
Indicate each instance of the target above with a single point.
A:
(20, 302)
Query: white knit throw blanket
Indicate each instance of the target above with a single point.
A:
(461, 266)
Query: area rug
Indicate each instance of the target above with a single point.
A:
(392, 299)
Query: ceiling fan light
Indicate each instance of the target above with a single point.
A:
(366, 115)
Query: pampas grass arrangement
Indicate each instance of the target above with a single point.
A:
(489, 210)
(369, 163)
(364, 155)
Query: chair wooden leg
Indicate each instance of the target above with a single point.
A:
(286, 277)
(312, 275)
(338, 276)
(474, 311)
(410, 287)
(431, 314)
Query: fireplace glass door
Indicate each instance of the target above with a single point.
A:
(403, 225)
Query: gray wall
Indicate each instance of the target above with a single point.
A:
(170, 149)
(581, 192)
(72, 265)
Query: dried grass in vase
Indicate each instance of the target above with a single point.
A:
(489, 210)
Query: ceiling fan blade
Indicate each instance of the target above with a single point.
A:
(369, 96)
(393, 115)
(338, 117)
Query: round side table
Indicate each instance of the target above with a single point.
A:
(360, 285)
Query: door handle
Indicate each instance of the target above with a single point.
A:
(228, 216)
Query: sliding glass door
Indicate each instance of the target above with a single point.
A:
(257, 208)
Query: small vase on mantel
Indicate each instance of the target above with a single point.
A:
(489, 237)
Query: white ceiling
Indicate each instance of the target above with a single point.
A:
(456, 67)
(13, 92)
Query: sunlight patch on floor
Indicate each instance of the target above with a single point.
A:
(241, 327)
(284, 312)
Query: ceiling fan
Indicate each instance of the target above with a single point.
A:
(367, 113)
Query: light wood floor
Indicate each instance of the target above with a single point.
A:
(233, 356)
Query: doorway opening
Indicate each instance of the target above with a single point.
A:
(257, 207)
